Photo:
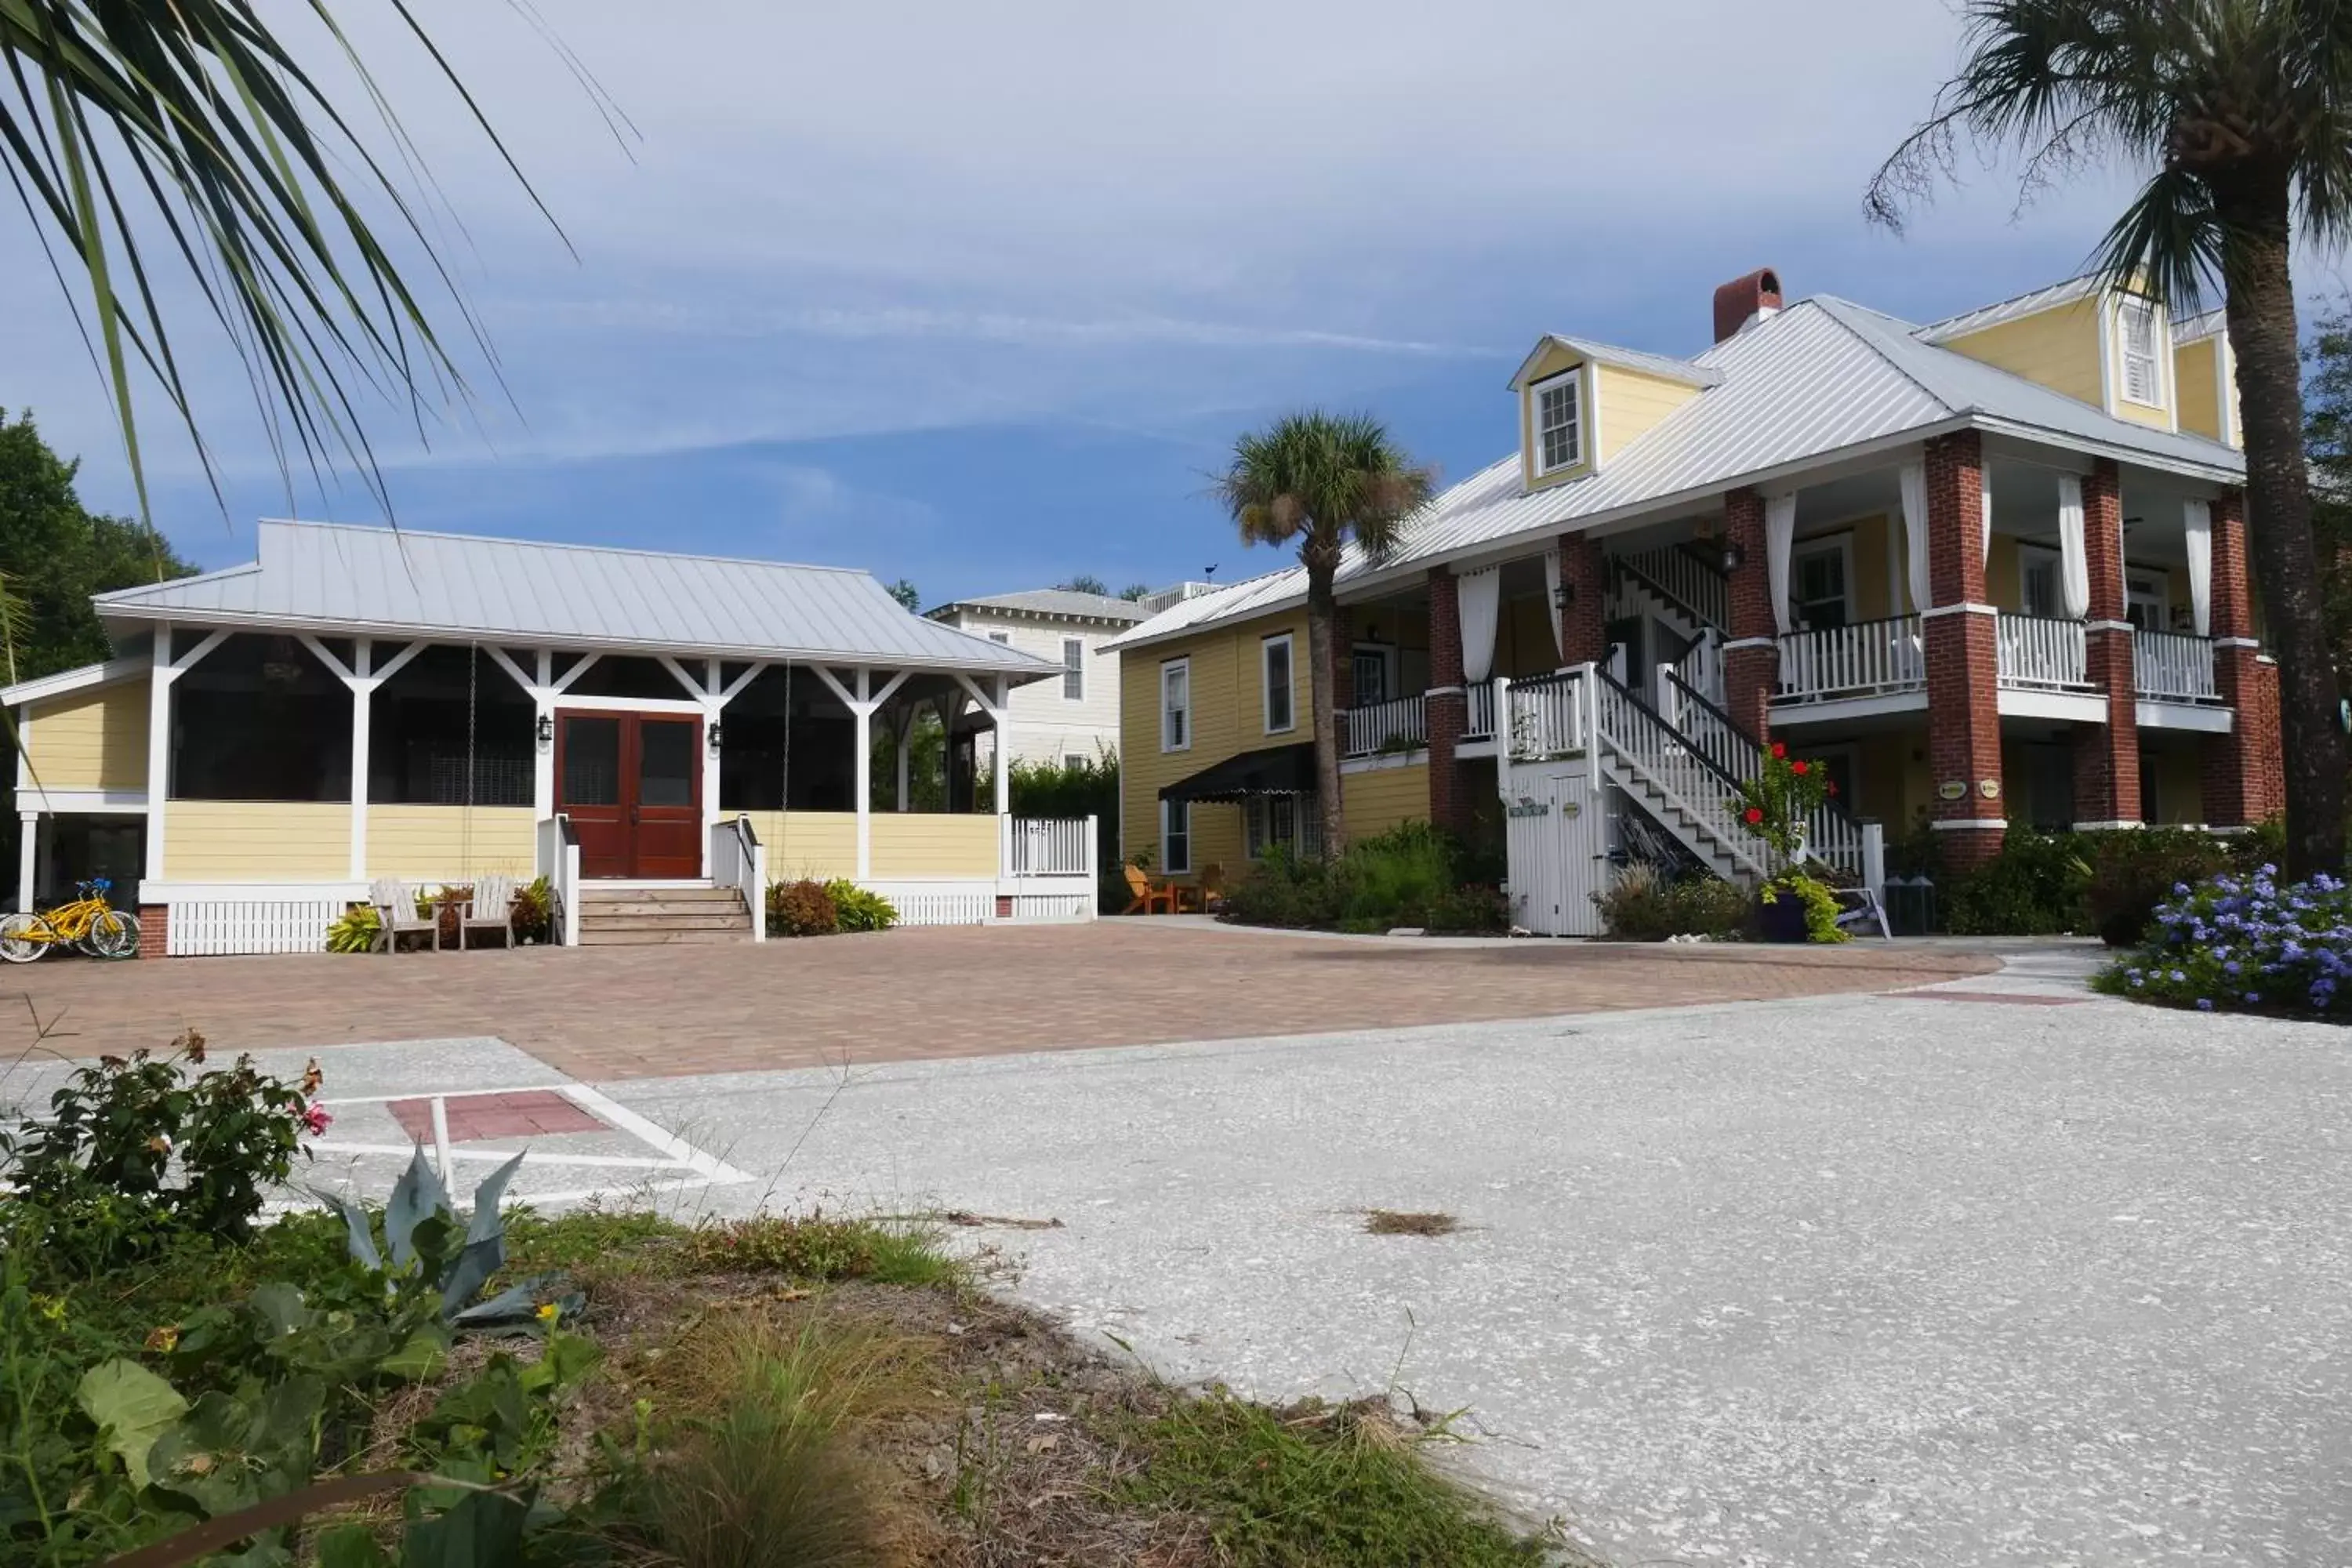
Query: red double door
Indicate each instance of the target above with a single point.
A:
(631, 784)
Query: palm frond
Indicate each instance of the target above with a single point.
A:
(244, 165)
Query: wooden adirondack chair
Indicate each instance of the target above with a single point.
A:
(490, 909)
(1149, 896)
(396, 908)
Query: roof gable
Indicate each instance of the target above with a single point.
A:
(1689, 371)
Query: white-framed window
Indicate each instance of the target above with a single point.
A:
(1819, 574)
(1073, 760)
(2143, 371)
(1290, 821)
(1560, 421)
(1176, 705)
(1176, 837)
(1002, 639)
(2037, 581)
(2143, 600)
(1373, 671)
(1074, 669)
(1281, 701)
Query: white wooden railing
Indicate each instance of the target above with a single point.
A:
(2172, 667)
(1832, 835)
(1686, 582)
(1701, 667)
(1869, 658)
(558, 860)
(739, 860)
(2043, 653)
(1548, 717)
(1480, 725)
(1395, 725)
(1048, 847)
(1665, 760)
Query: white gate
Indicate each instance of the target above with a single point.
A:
(1558, 845)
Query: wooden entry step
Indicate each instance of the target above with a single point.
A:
(627, 916)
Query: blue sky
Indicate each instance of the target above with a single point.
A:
(980, 296)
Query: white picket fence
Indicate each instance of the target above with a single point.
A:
(210, 928)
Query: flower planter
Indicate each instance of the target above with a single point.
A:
(1780, 920)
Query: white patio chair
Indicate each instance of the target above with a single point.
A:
(491, 906)
(395, 909)
(1861, 911)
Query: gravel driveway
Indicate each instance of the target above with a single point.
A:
(2009, 1275)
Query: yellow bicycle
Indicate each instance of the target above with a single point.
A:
(89, 923)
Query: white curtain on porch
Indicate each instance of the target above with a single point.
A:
(2073, 563)
(2197, 532)
(1914, 533)
(1779, 537)
(1480, 597)
(1984, 539)
(1551, 601)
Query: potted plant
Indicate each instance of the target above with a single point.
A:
(1775, 805)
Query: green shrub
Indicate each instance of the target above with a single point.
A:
(1408, 875)
(1470, 909)
(2034, 887)
(801, 909)
(2243, 944)
(1816, 899)
(355, 930)
(1396, 878)
(136, 1149)
(857, 908)
(1287, 890)
(532, 917)
(1642, 905)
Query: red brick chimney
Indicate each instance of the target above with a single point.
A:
(1742, 299)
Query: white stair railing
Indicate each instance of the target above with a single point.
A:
(1684, 580)
(1548, 715)
(1049, 847)
(558, 859)
(739, 860)
(1662, 757)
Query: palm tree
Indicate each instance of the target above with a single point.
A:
(2242, 109)
(145, 130)
(1323, 480)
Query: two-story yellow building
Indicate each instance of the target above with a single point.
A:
(1989, 570)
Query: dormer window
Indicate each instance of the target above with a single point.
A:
(2143, 379)
(1560, 422)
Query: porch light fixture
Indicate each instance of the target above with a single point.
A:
(711, 737)
(546, 730)
(1732, 556)
(1564, 595)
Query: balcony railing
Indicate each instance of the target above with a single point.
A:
(1685, 580)
(1480, 725)
(2041, 653)
(2171, 666)
(1869, 658)
(1399, 725)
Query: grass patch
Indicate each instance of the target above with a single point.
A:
(818, 1247)
(1398, 1222)
(1336, 1486)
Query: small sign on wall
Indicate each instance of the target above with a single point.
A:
(1953, 789)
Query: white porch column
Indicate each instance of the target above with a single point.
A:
(363, 693)
(542, 717)
(863, 711)
(712, 705)
(159, 749)
(30, 821)
(1004, 717)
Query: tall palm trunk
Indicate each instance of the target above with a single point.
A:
(1322, 612)
(2257, 221)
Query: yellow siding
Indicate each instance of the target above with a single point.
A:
(256, 840)
(1228, 717)
(1524, 644)
(2195, 386)
(448, 843)
(2058, 347)
(2004, 574)
(2178, 785)
(1551, 363)
(819, 844)
(1378, 800)
(1894, 785)
(1632, 404)
(95, 739)
(916, 845)
(1870, 544)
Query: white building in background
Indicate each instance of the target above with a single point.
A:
(1054, 721)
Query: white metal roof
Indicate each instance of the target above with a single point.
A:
(2029, 303)
(1680, 370)
(65, 682)
(1822, 379)
(2198, 328)
(344, 578)
(1066, 604)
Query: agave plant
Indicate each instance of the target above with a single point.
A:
(426, 1245)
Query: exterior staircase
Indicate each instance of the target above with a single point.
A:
(643, 917)
(1677, 589)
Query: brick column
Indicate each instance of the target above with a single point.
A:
(1447, 704)
(1584, 624)
(1751, 656)
(2107, 757)
(2243, 782)
(154, 930)
(1963, 658)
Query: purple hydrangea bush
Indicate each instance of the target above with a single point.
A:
(2245, 944)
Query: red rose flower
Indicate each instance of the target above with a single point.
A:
(1799, 768)
(1778, 751)
(1754, 815)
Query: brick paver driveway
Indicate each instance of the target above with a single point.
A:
(601, 1013)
